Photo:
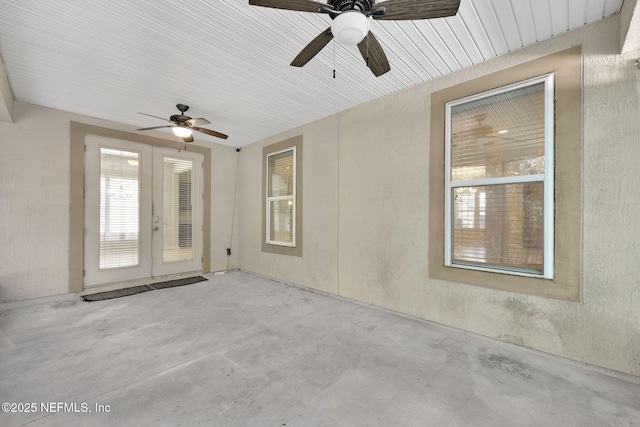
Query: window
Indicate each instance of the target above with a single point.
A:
(119, 244)
(505, 209)
(499, 180)
(282, 198)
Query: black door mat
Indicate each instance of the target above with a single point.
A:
(178, 282)
(143, 288)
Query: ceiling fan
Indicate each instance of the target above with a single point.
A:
(351, 23)
(183, 126)
(472, 129)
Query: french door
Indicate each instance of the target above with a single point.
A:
(143, 211)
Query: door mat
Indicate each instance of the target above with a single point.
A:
(143, 288)
(178, 282)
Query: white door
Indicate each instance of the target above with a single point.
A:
(177, 211)
(143, 211)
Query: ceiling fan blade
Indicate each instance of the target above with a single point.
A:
(210, 132)
(374, 55)
(150, 115)
(155, 127)
(313, 48)
(417, 9)
(188, 139)
(197, 122)
(299, 5)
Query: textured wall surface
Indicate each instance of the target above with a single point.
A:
(224, 230)
(317, 268)
(382, 230)
(34, 201)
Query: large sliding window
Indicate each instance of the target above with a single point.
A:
(499, 180)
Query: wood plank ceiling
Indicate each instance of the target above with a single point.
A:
(230, 61)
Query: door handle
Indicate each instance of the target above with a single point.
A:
(155, 228)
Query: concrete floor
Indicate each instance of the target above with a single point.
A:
(240, 350)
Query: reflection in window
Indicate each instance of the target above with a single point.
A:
(499, 174)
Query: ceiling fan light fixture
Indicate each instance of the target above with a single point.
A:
(181, 131)
(350, 27)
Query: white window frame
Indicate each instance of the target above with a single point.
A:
(547, 179)
(291, 197)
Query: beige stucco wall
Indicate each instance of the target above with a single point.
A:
(34, 201)
(366, 185)
(317, 266)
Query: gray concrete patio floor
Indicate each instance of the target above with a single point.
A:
(241, 350)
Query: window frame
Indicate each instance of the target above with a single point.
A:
(279, 147)
(547, 179)
(568, 270)
(270, 199)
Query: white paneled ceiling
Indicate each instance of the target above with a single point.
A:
(229, 61)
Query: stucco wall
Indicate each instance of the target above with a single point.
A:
(381, 187)
(34, 201)
(317, 266)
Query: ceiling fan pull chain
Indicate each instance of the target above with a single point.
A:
(334, 58)
(367, 59)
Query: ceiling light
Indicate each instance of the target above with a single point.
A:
(350, 27)
(503, 131)
(181, 131)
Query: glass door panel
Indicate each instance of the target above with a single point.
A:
(119, 208)
(177, 210)
(117, 211)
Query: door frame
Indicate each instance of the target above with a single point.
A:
(158, 265)
(77, 134)
(93, 274)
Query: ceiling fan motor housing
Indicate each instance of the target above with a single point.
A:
(360, 5)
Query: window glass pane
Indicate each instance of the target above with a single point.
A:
(281, 174)
(499, 135)
(281, 220)
(177, 210)
(499, 225)
(119, 209)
